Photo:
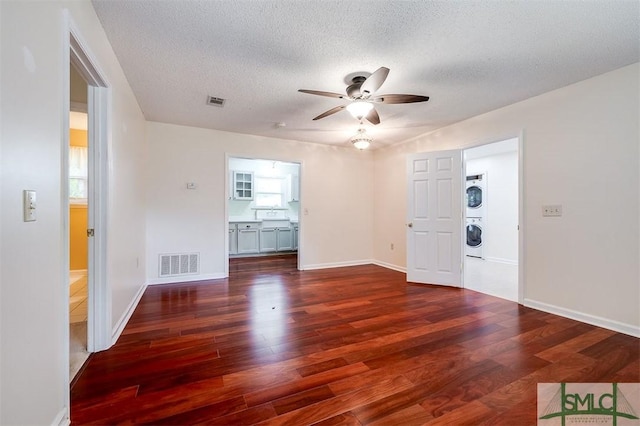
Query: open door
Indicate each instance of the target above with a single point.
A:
(434, 218)
(99, 324)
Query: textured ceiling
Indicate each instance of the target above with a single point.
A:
(470, 57)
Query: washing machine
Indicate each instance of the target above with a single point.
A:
(474, 237)
(475, 195)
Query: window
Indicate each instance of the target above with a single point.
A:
(269, 191)
(78, 172)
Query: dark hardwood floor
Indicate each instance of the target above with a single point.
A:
(344, 346)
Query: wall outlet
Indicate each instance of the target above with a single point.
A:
(552, 210)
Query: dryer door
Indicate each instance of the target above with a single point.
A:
(474, 197)
(474, 235)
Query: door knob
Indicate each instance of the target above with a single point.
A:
(410, 225)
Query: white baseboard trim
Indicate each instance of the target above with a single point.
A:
(354, 263)
(124, 319)
(187, 278)
(62, 418)
(337, 264)
(501, 260)
(390, 266)
(629, 329)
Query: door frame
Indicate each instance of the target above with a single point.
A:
(76, 51)
(521, 213)
(227, 195)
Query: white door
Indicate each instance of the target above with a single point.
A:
(434, 218)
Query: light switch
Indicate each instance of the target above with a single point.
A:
(191, 185)
(29, 198)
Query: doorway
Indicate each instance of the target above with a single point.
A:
(492, 219)
(83, 73)
(78, 222)
(263, 210)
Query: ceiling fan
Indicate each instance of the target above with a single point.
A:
(361, 93)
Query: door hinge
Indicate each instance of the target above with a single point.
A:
(90, 232)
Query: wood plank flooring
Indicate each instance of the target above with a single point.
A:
(345, 346)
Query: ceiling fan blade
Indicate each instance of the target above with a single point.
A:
(321, 93)
(373, 116)
(400, 99)
(374, 81)
(331, 111)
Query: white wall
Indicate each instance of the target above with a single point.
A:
(34, 311)
(500, 198)
(581, 151)
(336, 190)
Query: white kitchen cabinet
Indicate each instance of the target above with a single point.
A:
(276, 239)
(285, 240)
(294, 188)
(268, 240)
(243, 185)
(233, 239)
(248, 238)
(295, 236)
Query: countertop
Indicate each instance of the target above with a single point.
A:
(241, 220)
(245, 220)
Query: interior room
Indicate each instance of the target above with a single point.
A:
(78, 222)
(78, 247)
(491, 252)
(263, 206)
(377, 292)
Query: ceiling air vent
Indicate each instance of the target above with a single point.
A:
(212, 100)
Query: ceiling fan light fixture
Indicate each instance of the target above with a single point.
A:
(362, 94)
(359, 109)
(361, 140)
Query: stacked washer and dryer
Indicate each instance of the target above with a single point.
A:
(475, 213)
